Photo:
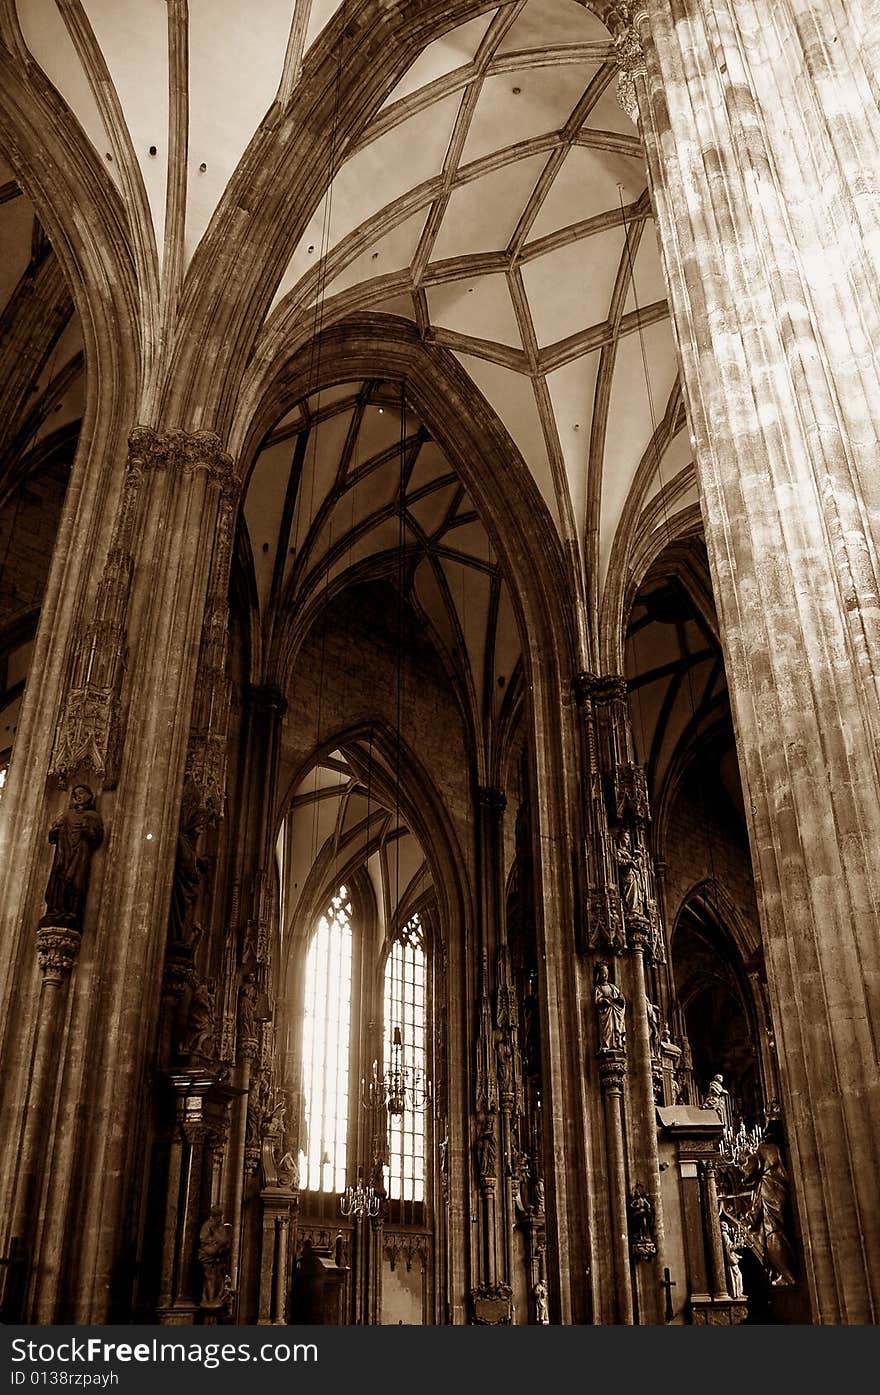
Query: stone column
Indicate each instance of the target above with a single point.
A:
(185, 524)
(57, 950)
(644, 1144)
(279, 1304)
(612, 1070)
(265, 708)
(717, 1270)
(762, 139)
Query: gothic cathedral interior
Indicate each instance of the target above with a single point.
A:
(439, 653)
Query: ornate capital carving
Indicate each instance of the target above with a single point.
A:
(57, 950)
(185, 451)
(599, 687)
(630, 54)
(612, 1071)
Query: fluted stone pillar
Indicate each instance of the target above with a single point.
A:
(761, 133)
(185, 511)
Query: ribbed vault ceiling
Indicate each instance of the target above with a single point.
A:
(496, 198)
(350, 486)
(338, 824)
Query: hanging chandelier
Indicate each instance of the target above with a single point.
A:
(359, 1201)
(399, 1088)
(737, 1148)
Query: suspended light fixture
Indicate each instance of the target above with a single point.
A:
(358, 1201)
(400, 1087)
(737, 1148)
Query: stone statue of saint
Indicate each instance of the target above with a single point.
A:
(247, 1009)
(765, 1173)
(214, 1247)
(610, 1012)
(198, 1039)
(538, 1197)
(505, 1068)
(76, 835)
(539, 1293)
(189, 868)
(632, 874)
(731, 1258)
(641, 1223)
(714, 1097)
(486, 1151)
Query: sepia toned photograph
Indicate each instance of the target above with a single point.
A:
(439, 671)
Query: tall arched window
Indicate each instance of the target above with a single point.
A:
(405, 995)
(325, 1063)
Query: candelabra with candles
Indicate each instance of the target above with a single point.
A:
(400, 1087)
(360, 1201)
(737, 1148)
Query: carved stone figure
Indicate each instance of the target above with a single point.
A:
(519, 1173)
(276, 1123)
(632, 874)
(538, 1199)
(641, 1223)
(76, 835)
(247, 1006)
(610, 1012)
(767, 1217)
(198, 1039)
(654, 1030)
(288, 1172)
(505, 1068)
(189, 868)
(486, 1151)
(714, 1097)
(539, 1293)
(214, 1247)
(731, 1258)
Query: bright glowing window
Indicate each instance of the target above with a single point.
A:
(405, 991)
(326, 1032)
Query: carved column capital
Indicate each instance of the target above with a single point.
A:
(630, 55)
(640, 933)
(612, 1072)
(599, 687)
(185, 451)
(57, 950)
